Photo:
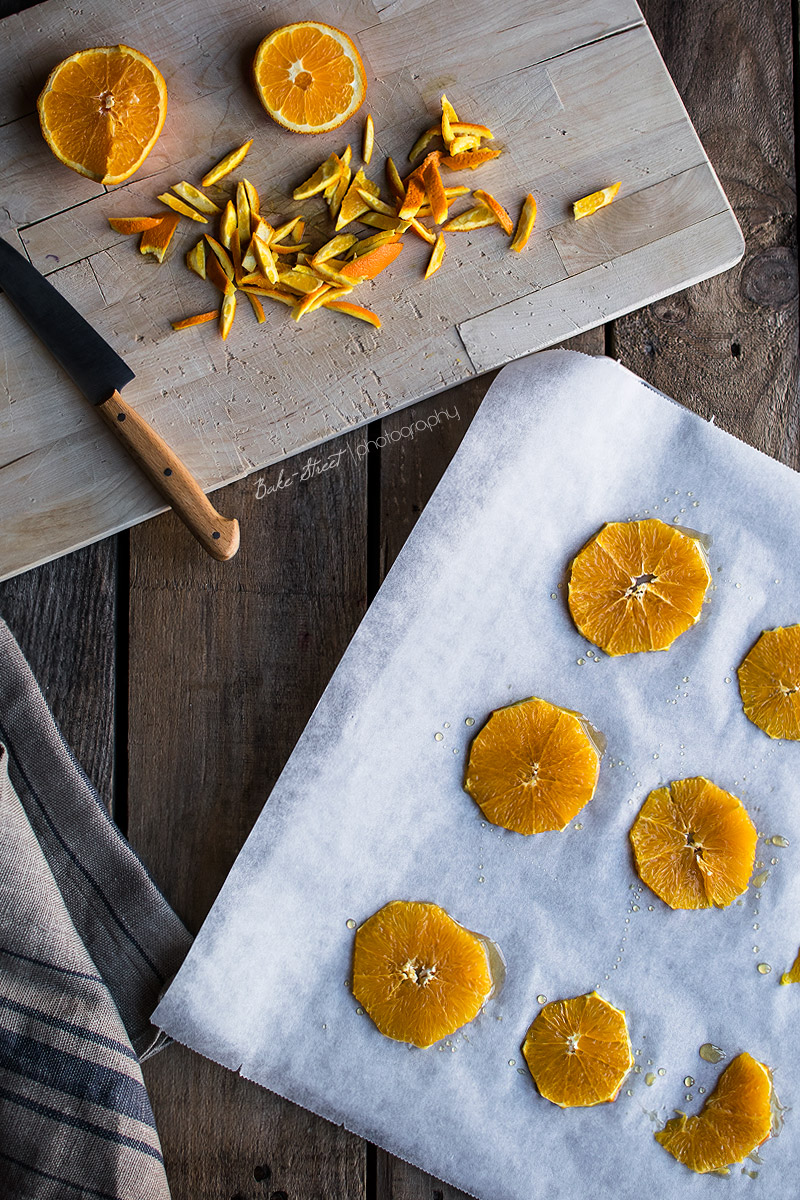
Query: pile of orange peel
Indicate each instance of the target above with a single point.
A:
(252, 256)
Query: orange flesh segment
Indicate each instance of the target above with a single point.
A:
(156, 240)
(590, 204)
(694, 844)
(309, 76)
(734, 1121)
(637, 585)
(578, 1051)
(418, 973)
(532, 767)
(128, 225)
(769, 681)
(525, 224)
(102, 110)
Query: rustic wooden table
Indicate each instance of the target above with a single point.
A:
(183, 684)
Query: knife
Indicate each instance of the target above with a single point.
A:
(100, 374)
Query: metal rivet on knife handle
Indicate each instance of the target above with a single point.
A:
(217, 534)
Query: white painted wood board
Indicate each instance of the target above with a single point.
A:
(578, 97)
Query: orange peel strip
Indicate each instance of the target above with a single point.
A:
(590, 204)
(394, 181)
(222, 256)
(200, 319)
(337, 245)
(420, 230)
(226, 165)
(284, 230)
(414, 199)
(195, 197)
(474, 218)
(470, 160)
(226, 314)
(253, 198)
(227, 225)
(316, 183)
(365, 245)
(434, 189)
(354, 310)
(423, 141)
(503, 219)
(178, 206)
(369, 138)
(463, 143)
(525, 224)
(436, 257)
(368, 265)
(449, 118)
(196, 259)
(216, 275)
(257, 307)
(156, 240)
(128, 225)
(309, 302)
(272, 293)
(470, 130)
(242, 217)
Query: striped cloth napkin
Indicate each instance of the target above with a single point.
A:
(87, 943)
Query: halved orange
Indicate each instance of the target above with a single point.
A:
(694, 844)
(734, 1121)
(637, 585)
(769, 680)
(101, 111)
(533, 766)
(309, 77)
(419, 974)
(578, 1051)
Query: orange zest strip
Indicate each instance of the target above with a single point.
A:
(474, 218)
(590, 204)
(156, 240)
(527, 219)
(354, 310)
(373, 262)
(434, 189)
(503, 219)
(469, 160)
(226, 165)
(369, 138)
(226, 314)
(436, 257)
(127, 225)
(200, 319)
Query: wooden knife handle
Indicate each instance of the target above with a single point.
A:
(218, 535)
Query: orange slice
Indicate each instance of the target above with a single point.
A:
(734, 1121)
(101, 111)
(769, 679)
(309, 77)
(694, 844)
(418, 973)
(637, 585)
(590, 204)
(578, 1051)
(532, 767)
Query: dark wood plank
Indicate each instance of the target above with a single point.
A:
(728, 347)
(226, 664)
(64, 617)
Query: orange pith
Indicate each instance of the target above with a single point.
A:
(578, 1051)
(418, 973)
(532, 767)
(637, 585)
(769, 680)
(102, 110)
(309, 77)
(734, 1121)
(694, 844)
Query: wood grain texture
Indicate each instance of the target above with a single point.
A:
(279, 388)
(226, 664)
(728, 348)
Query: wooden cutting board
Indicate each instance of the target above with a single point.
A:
(577, 96)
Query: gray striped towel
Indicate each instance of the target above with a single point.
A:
(87, 943)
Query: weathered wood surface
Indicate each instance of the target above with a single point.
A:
(224, 665)
(271, 390)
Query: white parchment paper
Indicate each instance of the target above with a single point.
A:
(370, 808)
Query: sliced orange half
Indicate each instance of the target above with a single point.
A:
(734, 1121)
(769, 680)
(101, 111)
(419, 974)
(578, 1051)
(309, 77)
(638, 585)
(694, 844)
(532, 767)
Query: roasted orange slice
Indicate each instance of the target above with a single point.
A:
(734, 1121)
(769, 680)
(532, 767)
(101, 111)
(419, 974)
(694, 844)
(309, 77)
(638, 585)
(578, 1051)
